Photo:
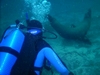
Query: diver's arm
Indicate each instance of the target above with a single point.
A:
(55, 61)
(18, 25)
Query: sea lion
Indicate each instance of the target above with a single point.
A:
(72, 31)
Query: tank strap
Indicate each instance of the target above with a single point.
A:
(9, 50)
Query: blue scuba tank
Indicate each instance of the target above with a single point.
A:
(10, 48)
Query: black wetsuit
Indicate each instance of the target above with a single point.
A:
(29, 51)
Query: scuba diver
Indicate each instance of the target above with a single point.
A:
(24, 52)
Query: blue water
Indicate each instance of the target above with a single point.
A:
(82, 59)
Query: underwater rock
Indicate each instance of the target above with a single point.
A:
(72, 31)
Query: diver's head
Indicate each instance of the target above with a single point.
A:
(34, 24)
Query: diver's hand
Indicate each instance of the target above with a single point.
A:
(22, 26)
(66, 73)
(70, 73)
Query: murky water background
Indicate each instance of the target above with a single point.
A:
(81, 58)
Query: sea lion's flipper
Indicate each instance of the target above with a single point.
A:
(53, 21)
(84, 26)
(88, 15)
(50, 18)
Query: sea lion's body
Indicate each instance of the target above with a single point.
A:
(72, 31)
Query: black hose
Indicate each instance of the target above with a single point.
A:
(50, 37)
